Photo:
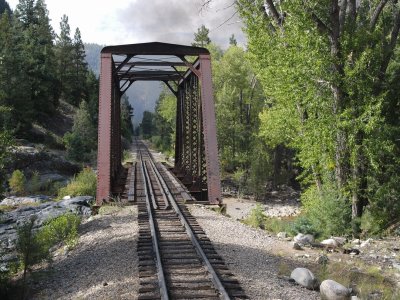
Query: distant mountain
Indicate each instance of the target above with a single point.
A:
(93, 57)
(142, 95)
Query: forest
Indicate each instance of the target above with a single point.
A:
(42, 73)
(311, 102)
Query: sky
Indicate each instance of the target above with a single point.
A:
(138, 21)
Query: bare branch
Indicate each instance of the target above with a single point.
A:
(377, 13)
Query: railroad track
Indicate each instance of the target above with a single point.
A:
(176, 259)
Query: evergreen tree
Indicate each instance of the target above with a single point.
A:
(39, 54)
(201, 38)
(80, 69)
(64, 57)
(81, 142)
(4, 7)
(232, 40)
(126, 118)
(14, 83)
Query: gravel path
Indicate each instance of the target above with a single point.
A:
(247, 252)
(104, 264)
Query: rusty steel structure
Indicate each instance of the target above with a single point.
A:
(187, 73)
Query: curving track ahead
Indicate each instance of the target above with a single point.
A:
(176, 259)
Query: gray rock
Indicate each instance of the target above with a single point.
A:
(24, 200)
(296, 246)
(304, 239)
(304, 277)
(282, 235)
(396, 266)
(330, 243)
(332, 290)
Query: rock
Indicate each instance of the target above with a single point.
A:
(304, 277)
(296, 246)
(66, 197)
(366, 243)
(396, 266)
(330, 243)
(14, 201)
(375, 295)
(356, 242)
(304, 239)
(282, 235)
(339, 240)
(322, 259)
(332, 290)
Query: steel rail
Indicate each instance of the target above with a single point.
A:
(214, 276)
(160, 270)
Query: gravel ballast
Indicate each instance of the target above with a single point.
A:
(247, 252)
(103, 265)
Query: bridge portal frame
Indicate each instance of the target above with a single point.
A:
(196, 151)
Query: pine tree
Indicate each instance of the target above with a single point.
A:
(4, 7)
(201, 38)
(80, 69)
(14, 83)
(39, 53)
(64, 57)
(232, 40)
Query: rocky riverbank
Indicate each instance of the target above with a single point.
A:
(16, 211)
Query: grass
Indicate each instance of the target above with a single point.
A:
(83, 184)
(258, 219)
(365, 279)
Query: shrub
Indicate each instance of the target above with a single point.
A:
(17, 182)
(63, 228)
(34, 183)
(327, 211)
(83, 184)
(256, 218)
(303, 225)
(30, 247)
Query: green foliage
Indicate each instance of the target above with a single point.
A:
(17, 182)
(333, 99)
(6, 142)
(81, 142)
(63, 228)
(256, 217)
(31, 247)
(302, 224)
(201, 38)
(327, 211)
(147, 126)
(84, 184)
(34, 183)
(126, 115)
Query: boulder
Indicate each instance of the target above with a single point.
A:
(332, 290)
(304, 239)
(330, 243)
(296, 246)
(282, 235)
(304, 277)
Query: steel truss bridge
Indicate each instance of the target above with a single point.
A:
(186, 71)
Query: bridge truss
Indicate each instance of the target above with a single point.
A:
(187, 73)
